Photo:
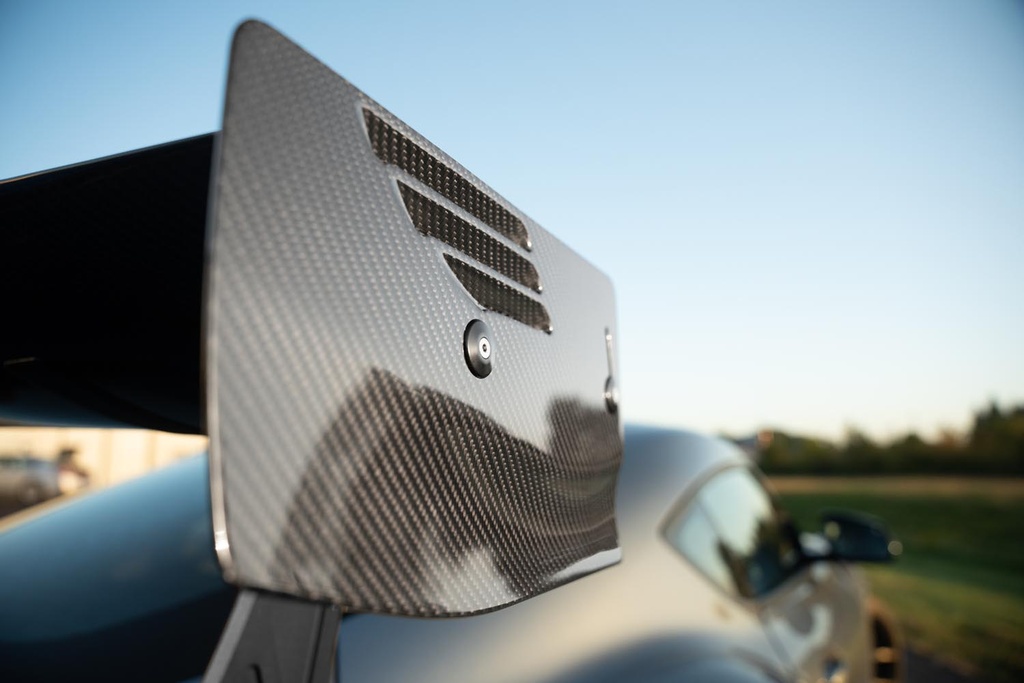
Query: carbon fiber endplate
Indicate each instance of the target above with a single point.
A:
(355, 458)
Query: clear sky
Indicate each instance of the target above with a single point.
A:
(813, 212)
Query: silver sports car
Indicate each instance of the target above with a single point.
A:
(417, 466)
(715, 584)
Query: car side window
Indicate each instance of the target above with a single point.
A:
(756, 539)
(735, 533)
(695, 537)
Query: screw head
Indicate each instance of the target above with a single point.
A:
(478, 346)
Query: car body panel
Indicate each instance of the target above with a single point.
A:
(114, 583)
(134, 565)
(820, 620)
(650, 614)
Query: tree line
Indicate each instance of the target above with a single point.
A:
(994, 445)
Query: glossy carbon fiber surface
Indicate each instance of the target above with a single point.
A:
(354, 456)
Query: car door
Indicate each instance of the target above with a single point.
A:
(819, 620)
(814, 612)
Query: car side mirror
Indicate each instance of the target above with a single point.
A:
(857, 537)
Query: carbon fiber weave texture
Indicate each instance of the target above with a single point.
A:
(354, 456)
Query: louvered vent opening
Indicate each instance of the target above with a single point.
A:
(495, 295)
(433, 220)
(394, 148)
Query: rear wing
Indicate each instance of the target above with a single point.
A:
(408, 385)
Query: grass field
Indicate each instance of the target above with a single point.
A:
(958, 589)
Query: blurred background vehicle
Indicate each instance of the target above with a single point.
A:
(25, 480)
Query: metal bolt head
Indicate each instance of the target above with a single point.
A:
(478, 345)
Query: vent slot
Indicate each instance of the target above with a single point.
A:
(495, 295)
(435, 221)
(394, 148)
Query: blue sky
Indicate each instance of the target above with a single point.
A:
(813, 212)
